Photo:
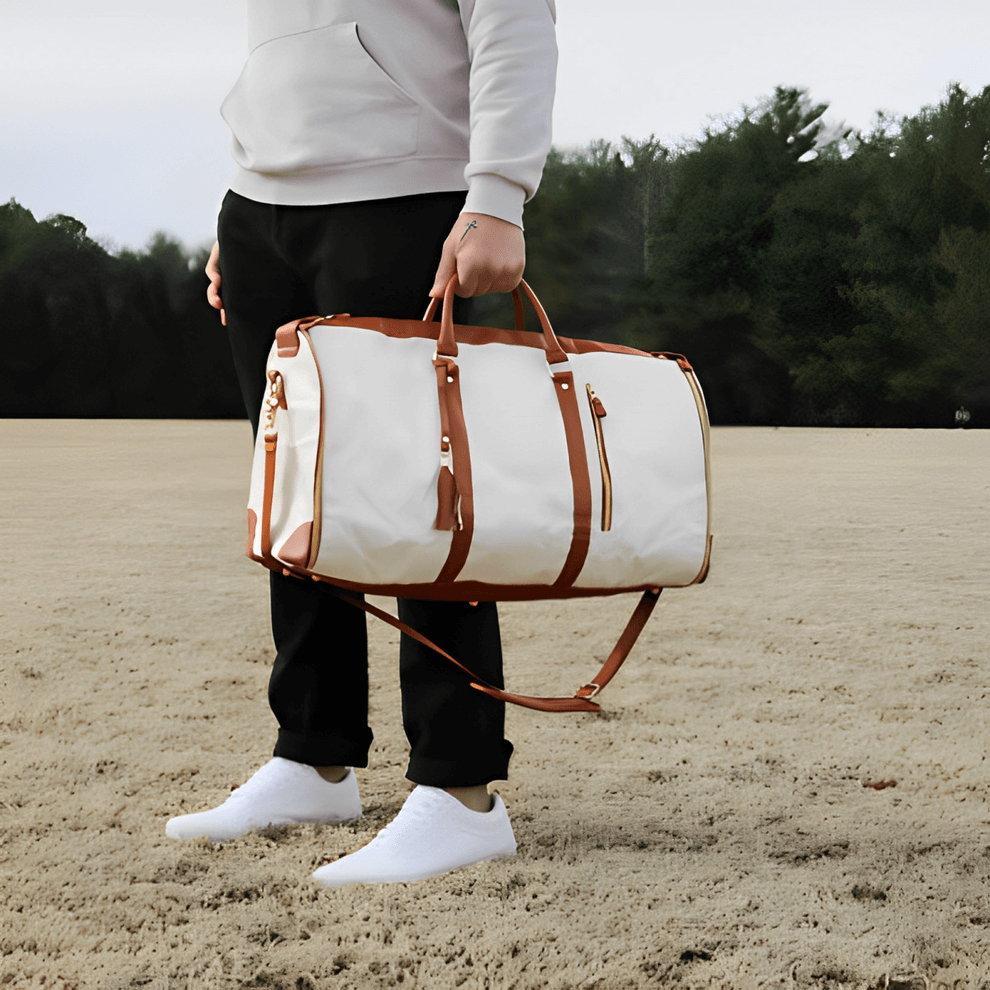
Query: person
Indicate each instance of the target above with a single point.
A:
(381, 149)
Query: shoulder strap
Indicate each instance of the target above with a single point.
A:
(580, 701)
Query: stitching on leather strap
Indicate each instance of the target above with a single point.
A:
(577, 456)
(271, 445)
(449, 394)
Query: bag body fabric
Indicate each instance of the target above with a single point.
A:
(419, 459)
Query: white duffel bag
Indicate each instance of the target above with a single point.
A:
(427, 460)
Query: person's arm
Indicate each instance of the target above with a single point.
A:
(488, 255)
(513, 56)
(213, 289)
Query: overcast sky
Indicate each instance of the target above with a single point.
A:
(109, 108)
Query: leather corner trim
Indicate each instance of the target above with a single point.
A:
(296, 548)
(252, 529)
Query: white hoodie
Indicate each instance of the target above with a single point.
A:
(348, 100)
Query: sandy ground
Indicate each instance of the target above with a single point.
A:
(710, 829)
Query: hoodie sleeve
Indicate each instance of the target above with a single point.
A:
(513, 54)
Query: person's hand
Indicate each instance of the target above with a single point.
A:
(487, 254)
(213, 289)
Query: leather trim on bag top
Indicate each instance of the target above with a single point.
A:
(404, 329)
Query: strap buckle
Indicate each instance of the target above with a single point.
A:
(587, 691)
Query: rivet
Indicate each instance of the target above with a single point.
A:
(449, 379)
(564, 385)
(446, 439)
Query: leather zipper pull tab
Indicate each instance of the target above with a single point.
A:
(447, 501)
(599, 408)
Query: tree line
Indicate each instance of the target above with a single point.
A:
(88, 333)
(812, 277)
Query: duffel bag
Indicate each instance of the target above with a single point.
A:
(459, 463)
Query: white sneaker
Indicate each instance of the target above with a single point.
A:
(282, 792)
(432, 834)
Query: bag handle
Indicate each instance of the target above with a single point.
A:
(431, 310)
(447, 343)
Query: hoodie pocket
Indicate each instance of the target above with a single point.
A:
(317, 99)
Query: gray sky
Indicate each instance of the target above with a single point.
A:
(109, 112)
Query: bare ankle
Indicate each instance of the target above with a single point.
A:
(475, 798)
(332, 775)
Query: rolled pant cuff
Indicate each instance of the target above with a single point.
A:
(459, 773)
(321, 751)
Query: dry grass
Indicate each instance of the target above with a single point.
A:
(710, 830)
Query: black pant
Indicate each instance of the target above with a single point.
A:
(374, 258)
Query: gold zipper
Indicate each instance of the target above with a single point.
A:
(597, 415)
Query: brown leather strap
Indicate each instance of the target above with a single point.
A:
(431, 310)
(449, 390)
(518, 306)
(271, 443)
(625, 643)
(446, 518)
(555, 353)
(577, 456)
(447, 343)
(580, 701)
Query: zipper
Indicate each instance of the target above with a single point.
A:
(274, 400)
(597, 415)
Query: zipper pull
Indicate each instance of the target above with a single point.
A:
(596, 404)
(276, 397)
(598, 411)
